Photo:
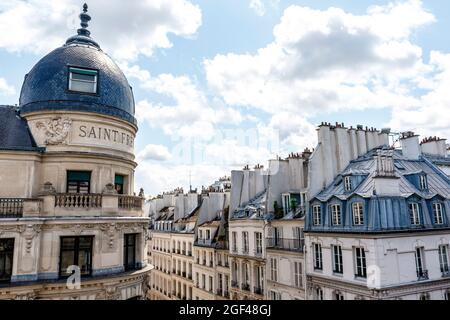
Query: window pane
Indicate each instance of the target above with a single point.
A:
(67, 259)
(84, 261)
(84, 77)
(85, 243)
(81, 86)
(68, 243)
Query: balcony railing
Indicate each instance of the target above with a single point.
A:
(285, 244)
(11, 207)
(78, 200)
(130, 202)
(204, 242)
(422, 275)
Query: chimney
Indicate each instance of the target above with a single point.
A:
(434, 146)
(410, 145)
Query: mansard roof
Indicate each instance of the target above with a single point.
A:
(254, 209)
(438, 182)
(14, 131)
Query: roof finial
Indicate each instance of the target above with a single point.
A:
(85, 18)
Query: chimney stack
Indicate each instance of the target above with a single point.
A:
(410, 145)
(434, 146)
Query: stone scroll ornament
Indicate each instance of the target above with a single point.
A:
(56, 130)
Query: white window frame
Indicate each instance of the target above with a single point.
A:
(286, 203)
(245, 247)
(438, 213)
(234, 239)
(298, 274)
(414, 213)
(317, 215)
(73, 70)
(419, 256)
(258, 242)
(274, 295)
(443, 259)
(336, 214)
(319, 293)
(274, 269)
(360, 262)
(317, 256)
(358, 213)
(348, 183)
(338, 264)
(423, 182)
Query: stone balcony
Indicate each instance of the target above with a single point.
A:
(52, 204)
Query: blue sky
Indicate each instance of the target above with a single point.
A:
(207, 75)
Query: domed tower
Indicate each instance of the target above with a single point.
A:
(71, 225)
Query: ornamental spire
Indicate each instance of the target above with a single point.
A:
(84, 35)
(85, 18)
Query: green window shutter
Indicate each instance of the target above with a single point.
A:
(78, 176)
(84, 71)
(119, 179)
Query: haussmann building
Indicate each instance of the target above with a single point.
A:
(68, 210)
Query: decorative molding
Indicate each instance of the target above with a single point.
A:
(30, 231)
(56, 130)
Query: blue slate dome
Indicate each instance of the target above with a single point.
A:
(47, 87)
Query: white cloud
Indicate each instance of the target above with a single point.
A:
(6, 89)
(191, 113)
(156, 178)
(294, 130)
(154, 152)
(124, 29)
(327, 61)
(430, 117)
(260, 6)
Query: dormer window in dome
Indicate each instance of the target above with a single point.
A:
(83, 80)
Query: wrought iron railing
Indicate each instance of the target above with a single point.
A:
(285, 244)
(78, 200)
(11, 207)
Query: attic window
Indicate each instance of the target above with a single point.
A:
(423, 182)
(348, 184)
(83, 80)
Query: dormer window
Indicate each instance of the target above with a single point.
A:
(414, 213)
(348, 183)
(423, 183)
(358, 214)
(335, 214)
(317, 219)
(83, 80)
(438, 213)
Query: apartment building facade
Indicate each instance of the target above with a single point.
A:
(211, 268)
(379, 229)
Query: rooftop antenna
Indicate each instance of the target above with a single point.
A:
(190, 182)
